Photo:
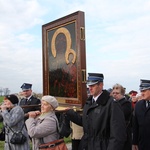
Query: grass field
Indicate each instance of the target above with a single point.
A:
(1, 98)
(67, 140)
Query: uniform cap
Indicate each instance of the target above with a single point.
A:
(94, 78)
(26, 86)
(144, 85)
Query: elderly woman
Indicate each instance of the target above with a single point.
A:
(13, 120)
(118, 93)
(43, 125)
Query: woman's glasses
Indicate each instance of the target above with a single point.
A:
(115, 93)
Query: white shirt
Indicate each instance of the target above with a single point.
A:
(95, 98)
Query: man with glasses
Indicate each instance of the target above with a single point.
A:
(141, 126)
(102, 119)
(28, 99)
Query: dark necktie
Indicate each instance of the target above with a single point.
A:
(26, 101)
(148, 103)
(93, 101)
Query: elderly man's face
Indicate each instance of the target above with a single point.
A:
(145, 94)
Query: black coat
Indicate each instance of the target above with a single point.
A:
(103, 124)
(32, 101)
(141, 126)
(127, 110)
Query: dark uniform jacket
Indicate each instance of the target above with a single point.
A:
(103, 124)
(32, 101)
(141, 126)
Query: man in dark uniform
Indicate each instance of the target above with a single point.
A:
(28, 99)
(102, 120)
(141, 124)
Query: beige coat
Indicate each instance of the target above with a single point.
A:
(77, 131)
(45, 127)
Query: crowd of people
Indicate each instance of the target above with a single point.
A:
(111, 120)
(39, 123)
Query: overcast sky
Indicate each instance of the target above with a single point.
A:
(117, 39)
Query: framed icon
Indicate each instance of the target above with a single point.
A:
(64, 59)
